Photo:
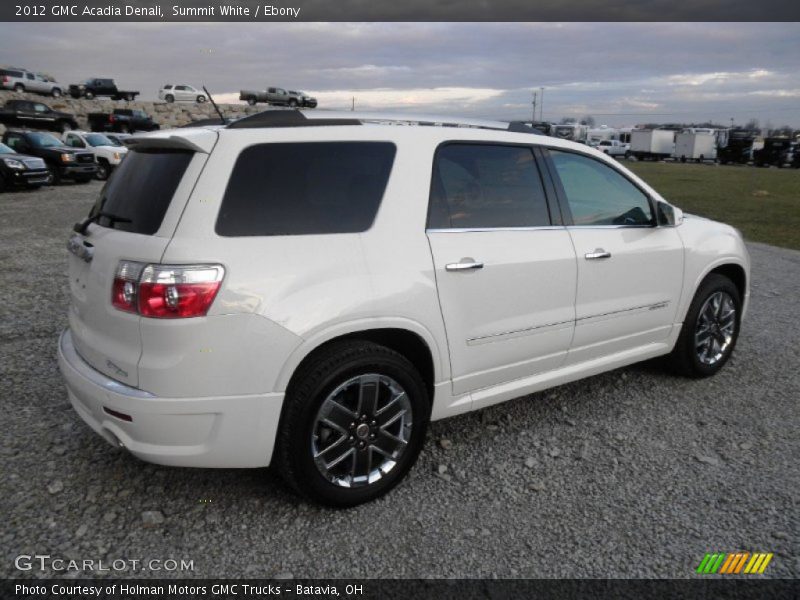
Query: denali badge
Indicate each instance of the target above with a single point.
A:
(79, 249)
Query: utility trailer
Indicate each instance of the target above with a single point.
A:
(697, 146)
(652, 144)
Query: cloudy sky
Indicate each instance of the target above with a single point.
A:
(620, 73)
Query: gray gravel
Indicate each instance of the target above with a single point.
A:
(634, 473)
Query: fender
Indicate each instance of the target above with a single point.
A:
(441, 362)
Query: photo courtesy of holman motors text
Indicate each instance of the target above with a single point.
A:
(348, 299)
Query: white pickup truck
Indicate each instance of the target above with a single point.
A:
(106, 153)
(614, 148)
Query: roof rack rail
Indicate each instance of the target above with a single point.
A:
(297, 118)
(286, 118)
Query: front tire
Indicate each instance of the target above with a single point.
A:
(710, 330)
(169, 98)
(56, 93)
(103, 171)
(88, 95)
(251, 101)
(201, 99)
(353, 423)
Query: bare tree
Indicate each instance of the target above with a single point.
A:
(588, 120)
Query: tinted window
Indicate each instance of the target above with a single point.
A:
(141, 190)
(479, 185)
(598, 194)
(305, 188)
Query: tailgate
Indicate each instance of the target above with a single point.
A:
(133, 220)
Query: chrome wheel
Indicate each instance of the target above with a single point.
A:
(361, 430)
(715, 329)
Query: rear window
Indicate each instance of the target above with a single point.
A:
(305, 188)
(141, 189)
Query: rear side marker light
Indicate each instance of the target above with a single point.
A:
(166, 291)
(118, 415)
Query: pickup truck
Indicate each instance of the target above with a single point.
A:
(614, 148)
(100, 87)
(122, 120)
(63, 162)
(108, 155)
(24, 113)
(302, 99)
(273, 95)
(21, 170)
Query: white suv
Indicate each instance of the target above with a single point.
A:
(181, 93)
(311, 289)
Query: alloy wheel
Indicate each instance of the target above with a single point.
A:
(361, 430)
(715, 328)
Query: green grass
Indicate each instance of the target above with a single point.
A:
(763, 203)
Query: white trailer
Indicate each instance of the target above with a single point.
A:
(652, 144)
(600, 134)
(695, 146)
(571, 131)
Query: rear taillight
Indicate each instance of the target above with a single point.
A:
(126, 282)
(166, 291)
(5, 78)
(112, 118)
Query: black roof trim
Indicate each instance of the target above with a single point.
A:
(521, 127)
(286, 118)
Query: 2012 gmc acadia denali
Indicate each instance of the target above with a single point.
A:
(311, 290)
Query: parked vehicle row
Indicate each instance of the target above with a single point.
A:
(62, 161)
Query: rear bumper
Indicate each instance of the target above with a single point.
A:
(228, 431)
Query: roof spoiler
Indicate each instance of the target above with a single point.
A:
(192, 143)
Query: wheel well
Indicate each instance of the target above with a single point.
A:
(736, 274)
(402, 341)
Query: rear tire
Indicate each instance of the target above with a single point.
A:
(201, 99)
(708, 318)
(251, 101)
(19, 88)
(65, 126)
(336, 384)
(88, 95)
(56, 93)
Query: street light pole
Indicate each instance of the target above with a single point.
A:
(541, 104)
(533, 118)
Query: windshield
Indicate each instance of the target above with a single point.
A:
(6, 150)
(44, 140)
(98, 139)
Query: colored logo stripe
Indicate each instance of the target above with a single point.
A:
(734, 563)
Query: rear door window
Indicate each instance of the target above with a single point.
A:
(141, 189)
(305, 188)
(486, 186)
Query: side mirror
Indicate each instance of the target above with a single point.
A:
(668, 215)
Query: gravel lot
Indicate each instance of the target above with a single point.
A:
(634, 473)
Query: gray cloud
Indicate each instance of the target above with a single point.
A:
(625, 72)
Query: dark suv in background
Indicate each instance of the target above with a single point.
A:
(64, 162)
(24, 113)
(21, 170)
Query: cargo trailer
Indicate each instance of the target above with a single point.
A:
(652, 144)
(697, 146)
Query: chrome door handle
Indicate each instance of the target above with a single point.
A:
(465, 265)
(598, 253)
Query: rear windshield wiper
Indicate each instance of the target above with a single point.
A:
(83, 225)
